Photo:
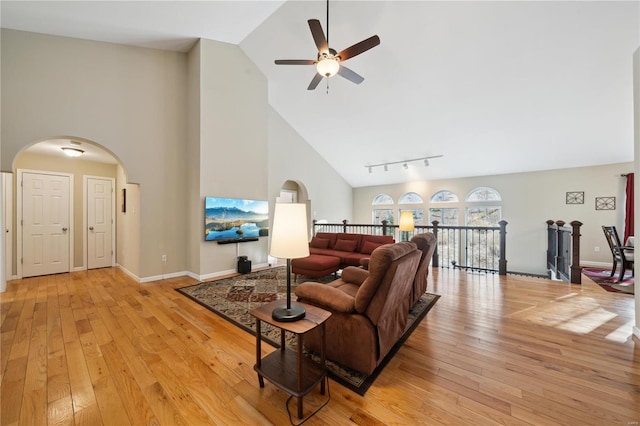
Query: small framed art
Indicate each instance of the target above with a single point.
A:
(576, 197)
(605, 203)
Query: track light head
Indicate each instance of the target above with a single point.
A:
(426, 162)
(386, 168)
(405, 166)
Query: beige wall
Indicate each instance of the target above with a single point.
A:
(233, 145)
(127, 225)
(529, 200)
(291, 158)
(78, 168)
(130, 100)
(182, 126)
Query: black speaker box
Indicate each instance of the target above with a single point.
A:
(244, 266)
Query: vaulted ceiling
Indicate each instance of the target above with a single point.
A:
(493, 87)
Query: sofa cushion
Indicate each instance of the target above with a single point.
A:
(378, 239)
(321, 243)
(345, 245)
(331, 236)
(369, 246)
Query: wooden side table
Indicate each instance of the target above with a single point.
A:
(287, 369)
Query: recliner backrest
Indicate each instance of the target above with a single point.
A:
(389, 264)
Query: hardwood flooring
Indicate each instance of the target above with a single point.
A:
(97, 348)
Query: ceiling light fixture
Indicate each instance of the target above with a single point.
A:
(405, 163)
(72, 152)
(328, 66)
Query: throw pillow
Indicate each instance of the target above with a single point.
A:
(369, 247)
(345, 245)
(320, 243)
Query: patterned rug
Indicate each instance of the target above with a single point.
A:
(603, 278)
(233, 299)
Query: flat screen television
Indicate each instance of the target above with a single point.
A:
(235, 219)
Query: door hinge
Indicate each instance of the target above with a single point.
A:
(21, 261)
(21, 222)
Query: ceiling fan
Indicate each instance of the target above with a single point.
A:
(329, 62)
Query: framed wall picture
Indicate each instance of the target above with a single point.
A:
(605, 203)
(576, 197)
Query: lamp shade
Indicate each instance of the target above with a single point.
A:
(290, 235)
(406, 221)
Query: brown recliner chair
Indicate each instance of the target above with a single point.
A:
(370, 308)
(426, 243)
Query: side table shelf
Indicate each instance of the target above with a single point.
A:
(290, 370)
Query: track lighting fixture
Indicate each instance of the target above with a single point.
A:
(405, 163)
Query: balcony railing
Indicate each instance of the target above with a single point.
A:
(478, 248)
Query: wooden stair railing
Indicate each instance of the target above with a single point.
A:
(563, 251)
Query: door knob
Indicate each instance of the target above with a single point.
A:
(64, 229)
(91, 228)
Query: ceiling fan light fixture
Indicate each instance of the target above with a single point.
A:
(72, 152)
(328, 66)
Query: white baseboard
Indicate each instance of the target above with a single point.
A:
(186, 273)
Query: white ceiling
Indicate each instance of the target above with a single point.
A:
(495, 87)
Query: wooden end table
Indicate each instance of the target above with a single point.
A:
(287, 369)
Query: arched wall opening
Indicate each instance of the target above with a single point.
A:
(96, 164)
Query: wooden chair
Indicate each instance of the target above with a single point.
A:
(622, 254)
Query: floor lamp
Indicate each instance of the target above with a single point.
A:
(289, 240)
(406, 224)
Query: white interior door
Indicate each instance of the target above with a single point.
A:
(99, 223)
(45, 224)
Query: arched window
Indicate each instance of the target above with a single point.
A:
(444, 196)
(382, 199)
(484, 215)
(484, 194)
(410, 198)
(378, 214)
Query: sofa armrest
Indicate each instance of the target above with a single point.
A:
(354, 275)
(326, 297)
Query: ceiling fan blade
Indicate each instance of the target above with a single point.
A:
(358, 48)
(294, 62)
(318, 35)
(350, 75)
(315, 81)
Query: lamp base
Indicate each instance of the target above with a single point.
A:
(284, 314)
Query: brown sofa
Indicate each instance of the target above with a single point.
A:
(369, 307)
(330, 251)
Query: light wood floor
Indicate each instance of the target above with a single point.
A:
(98, 348)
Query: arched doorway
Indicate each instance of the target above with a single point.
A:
(295, 192)
(65, 210)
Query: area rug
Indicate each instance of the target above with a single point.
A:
(233, 299)
(603, 279)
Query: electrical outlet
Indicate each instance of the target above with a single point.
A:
(164, 257)
(596, 249)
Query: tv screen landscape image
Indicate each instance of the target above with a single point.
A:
(228, 219)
